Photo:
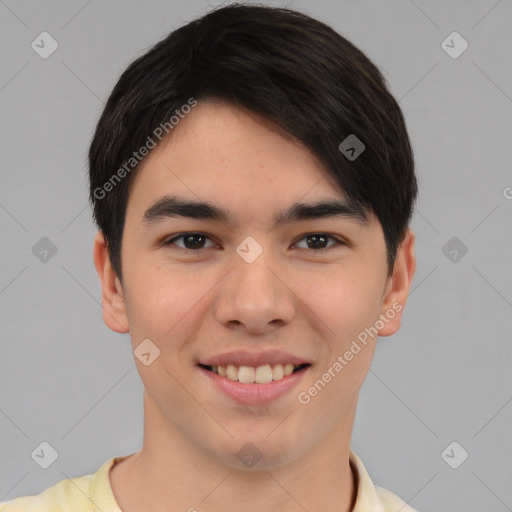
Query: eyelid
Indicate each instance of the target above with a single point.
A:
(339, 241)
(170, 240)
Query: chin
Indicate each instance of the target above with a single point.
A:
(257, 450)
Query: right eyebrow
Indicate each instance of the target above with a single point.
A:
(174, 206)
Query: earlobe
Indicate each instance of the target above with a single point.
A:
(113, 302)
(398, 286)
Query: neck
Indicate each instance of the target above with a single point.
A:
(172, 474)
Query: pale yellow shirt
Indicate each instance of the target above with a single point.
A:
(93, 493)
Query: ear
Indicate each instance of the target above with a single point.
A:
(113, 304)
(398, 285)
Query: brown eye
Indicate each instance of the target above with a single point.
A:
(318, 241)
(191, 241)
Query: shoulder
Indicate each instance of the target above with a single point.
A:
(87, 493)
(372, 497)
(61, 497)
(391, 502)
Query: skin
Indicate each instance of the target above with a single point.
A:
(193, 305)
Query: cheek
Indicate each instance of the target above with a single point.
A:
(164, 299)
(346, 302)
(348, 306)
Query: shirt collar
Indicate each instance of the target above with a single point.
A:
(367, 499)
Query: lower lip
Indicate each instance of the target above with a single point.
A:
(253, 393)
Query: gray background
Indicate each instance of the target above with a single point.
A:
(444, 377)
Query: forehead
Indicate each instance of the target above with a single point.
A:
(228, 156)
(216, 135)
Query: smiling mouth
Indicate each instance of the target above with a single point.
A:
(255, 375)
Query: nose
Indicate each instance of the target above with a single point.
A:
(255, 297)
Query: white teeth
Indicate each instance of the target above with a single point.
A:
(263, 374)
(277, 372)
(288, 369)
(232, 372)
(248, 374)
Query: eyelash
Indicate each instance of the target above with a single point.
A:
(171, 241)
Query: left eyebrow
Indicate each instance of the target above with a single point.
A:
(174, 206)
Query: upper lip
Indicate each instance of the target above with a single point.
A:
(255, 359)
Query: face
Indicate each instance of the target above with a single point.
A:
(295, 292)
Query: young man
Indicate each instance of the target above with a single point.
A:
(253, 183)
